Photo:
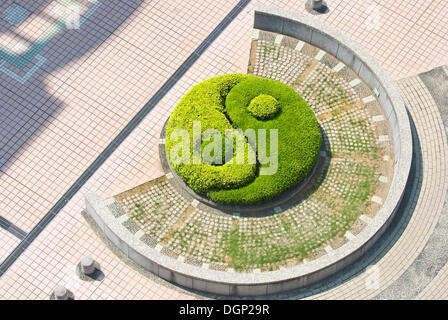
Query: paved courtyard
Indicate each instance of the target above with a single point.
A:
(82, 110)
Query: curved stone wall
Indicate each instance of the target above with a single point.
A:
(262, 283)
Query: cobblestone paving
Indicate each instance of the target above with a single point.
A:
(346, 184)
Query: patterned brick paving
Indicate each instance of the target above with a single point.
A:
(67, 116)
(96, 78)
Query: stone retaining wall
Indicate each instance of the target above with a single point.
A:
(262, 283)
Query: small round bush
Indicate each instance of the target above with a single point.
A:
(264, 107)
(224, 103)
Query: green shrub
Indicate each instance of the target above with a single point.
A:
(222, 103)
(264, 107)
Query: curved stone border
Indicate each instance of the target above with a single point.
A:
(292, 24)
(262, 283)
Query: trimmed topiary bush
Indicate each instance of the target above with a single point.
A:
(264, 107)
(237, 103)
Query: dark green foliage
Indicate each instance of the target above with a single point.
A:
(222, 103)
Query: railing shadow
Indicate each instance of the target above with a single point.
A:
(29, 58)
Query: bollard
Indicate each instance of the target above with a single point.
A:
(316, 4)
(88, 265)
(60, 293)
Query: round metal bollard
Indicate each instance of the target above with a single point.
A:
(316, 4)
(88, 265)
(60, 293)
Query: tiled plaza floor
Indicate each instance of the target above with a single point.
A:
(95, 79)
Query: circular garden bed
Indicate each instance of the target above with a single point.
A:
(273, 134)
(362, 142)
